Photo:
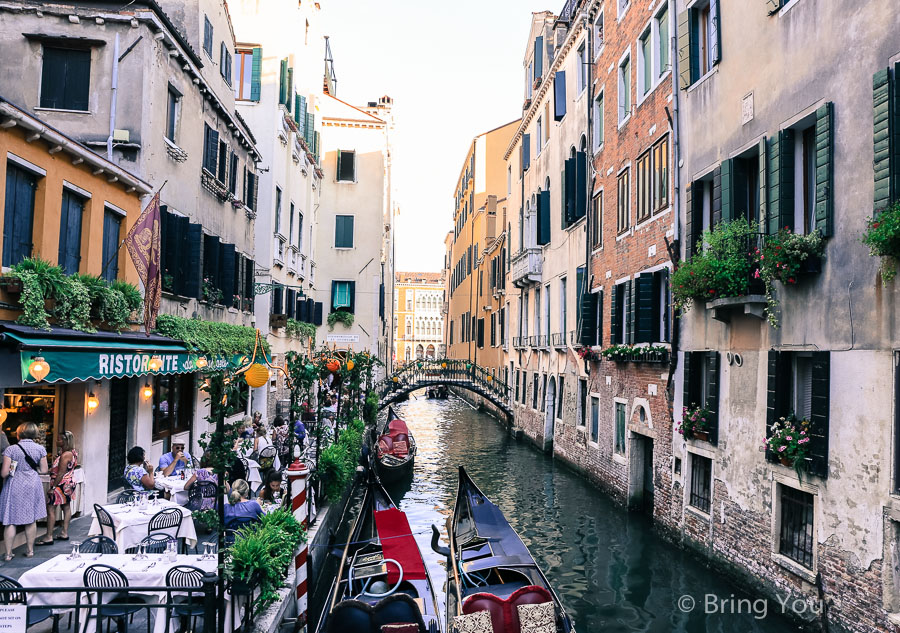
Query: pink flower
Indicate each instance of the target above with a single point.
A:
(781, 449)
(803, 440)
(703, 419)
(756, 274)
(789, 438)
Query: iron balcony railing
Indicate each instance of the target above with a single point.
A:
(527, 266)
(569, 11)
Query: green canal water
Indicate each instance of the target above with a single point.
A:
(611, 570)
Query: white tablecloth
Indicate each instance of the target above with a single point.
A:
(254, 478)
(132, 523)
(151, 572)
(174, 485)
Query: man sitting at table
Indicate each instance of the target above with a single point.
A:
(176, 460)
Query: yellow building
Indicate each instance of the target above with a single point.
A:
(477, 254)
(418, 317)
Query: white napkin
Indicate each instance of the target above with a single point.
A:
(66, 566)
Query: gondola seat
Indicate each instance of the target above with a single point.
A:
(355, 616)
(504, 614)
(385, 445)
(401, 445)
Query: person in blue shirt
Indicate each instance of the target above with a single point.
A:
(176, 460)
(300, 433)
(240, 510)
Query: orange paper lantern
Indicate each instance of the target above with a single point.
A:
(350, 365)
(333, 365)
(257, 375)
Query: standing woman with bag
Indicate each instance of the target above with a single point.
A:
(62, 486)
(22, 498)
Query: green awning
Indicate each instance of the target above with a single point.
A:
(86, 358)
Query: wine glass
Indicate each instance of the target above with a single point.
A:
(75, 555)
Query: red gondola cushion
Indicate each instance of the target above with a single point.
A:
(385, 445)
(401, 445)
(504, 615)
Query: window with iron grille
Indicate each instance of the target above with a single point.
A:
(620, 428)
(796, 526)
(701, 482)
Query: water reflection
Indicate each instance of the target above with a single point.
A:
(612, 572)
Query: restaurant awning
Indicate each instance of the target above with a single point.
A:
(79, 356)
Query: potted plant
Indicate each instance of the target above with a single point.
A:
(696, 423)
(784, 257)
(587, 354)
(882, 236)
(206, 520)
(788, 442)
(340, 316)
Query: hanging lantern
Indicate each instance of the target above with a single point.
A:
(395, 379)
(201, 362)
(419, 364)
(490, 378)
(257, 375)
(92, 402)
(39, 368)
(350, 365)
(155, 363)
(147, 391)
(443, 365)
(2, 416)
(333, 365)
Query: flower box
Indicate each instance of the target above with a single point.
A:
(629, 354)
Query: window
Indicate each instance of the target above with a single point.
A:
(210, 148)
(796, 533)
(699, 45)
(622, 202)
(346, 166)
(518, 377)
(112, 230)
(18, 215)
(662, 32)
(225, 63)
(701, 386)
(661, 175)
(622, 7)
(343, 296)
(805, 180)
(172, 114)
(801, 392)
(66, 78)
(598, 34)
(529, 80)
(207, 36)
(300, 231)
(243, 74)
(595, 419)
(624, 89)
(233, 175)
(653, 52)
(701, 482)
(597, 221)
(539, 136)
(509, 180)
(547, 119)
(582, 73)
(546, 331)
(652, 310)
(744, 200)
(621, 323)
(582, 402)
(173, 405)
(251, 185)
(598, 122)
(537, 311)
(563, 312)
(646, 73)
(544, 391)
(70, 231)
(560, 393)
(293, 210)
(222, 165)
(534, 391)
(643, 186)
(278, 196)
(619, 441)
(408, 328)
(343, 231)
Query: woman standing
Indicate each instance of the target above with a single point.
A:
(22, 499)
(62, 486)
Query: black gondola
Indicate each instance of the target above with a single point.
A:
(490, 569)
(382, 578)
(395, 450)
(439, 392)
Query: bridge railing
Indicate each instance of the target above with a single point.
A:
(443, 371)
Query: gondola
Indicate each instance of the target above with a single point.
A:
(439, 392)
(395, 450)
(382, 578)
(490, 569)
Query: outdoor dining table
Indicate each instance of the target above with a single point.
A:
(253, 475)
(131, 523)
(59, 571)
(174, 485)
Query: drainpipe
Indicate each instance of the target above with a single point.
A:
(589, 150)
(675, 247)
(112, 100)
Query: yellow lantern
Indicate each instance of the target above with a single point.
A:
(201, 362)
(39, 368)
(350, 365)
(155, 363)
(490, 378)
(395, 379)
(92, 403)
(147, 391)
(443, 365)
(257, 375)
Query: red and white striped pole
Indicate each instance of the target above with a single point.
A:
(298, 474)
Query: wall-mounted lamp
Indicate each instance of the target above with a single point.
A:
(39, 368)
(92, 402)
(147, 391)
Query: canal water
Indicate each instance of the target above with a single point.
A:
(612, 572)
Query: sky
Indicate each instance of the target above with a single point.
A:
(454, 70)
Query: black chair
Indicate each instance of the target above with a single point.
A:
(105, 521)
(167, 521)
(127, 496)
(11, 593)
(98, 545)
(199, 491)
(157, 543)
(186, 605)
(266, 458)
(124, 603)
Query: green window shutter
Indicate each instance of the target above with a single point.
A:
(297, 109)
(882, 89)
(615, 323)
(715, 17)
(684, 50)
(629, 312)
(717, 196)
(763, 184)
(712, 392)
(538, 57)
(818, 419)
(282, 82)
(562, 188)
(895, 135)
(825, 169)
(290, 89)
(337, 173)
(644, 308)
(256, 74)
(728, 210)
(580, 194)
(781, 182)
(778, 391)
(688, 399)
(588, 318)
(691, 222)
(543, 212)
(570, 191)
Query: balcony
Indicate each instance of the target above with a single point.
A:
(542, 341)
(527, 266)
(568, 11)
(520, 341)
(558, 339)
(278, 256)
(293, 257)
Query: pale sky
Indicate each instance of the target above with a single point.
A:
(454, 70)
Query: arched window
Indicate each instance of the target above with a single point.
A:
(408, 353)
(420, 352)
(429, 352)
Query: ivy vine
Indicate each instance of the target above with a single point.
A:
(300, 329)
(340, 316)
(209, 337)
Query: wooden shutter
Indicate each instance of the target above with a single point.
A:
(570, 191)
(311, 310)
(615, 322)
(352, 290)
(818, 432)
(112, 228)
(250, 279)
(71, 212)
(895, 135)
(716, 27)
(629, 312)
(301, 311)
(588, 318)
(278, 299)
(317, 313)
(712, 392)
(882, 85)
(283, 82)
(543, 218)
(538, 57)
(781, 182)
(777, 390)
(717, 196)
(685, 77)
(163, 236)
(825, 169)
(644, 309)
(227, 273)
(763, 184)
(580, 185)
(290, 89)
(693, 197)
(689, 372)
(291, 303)
(559, 95)
(192, 258)
(211, 150)
(526, 152)
(662, 303)
(728, 210)
(256, 74)
(211, 259)
(381, 301)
